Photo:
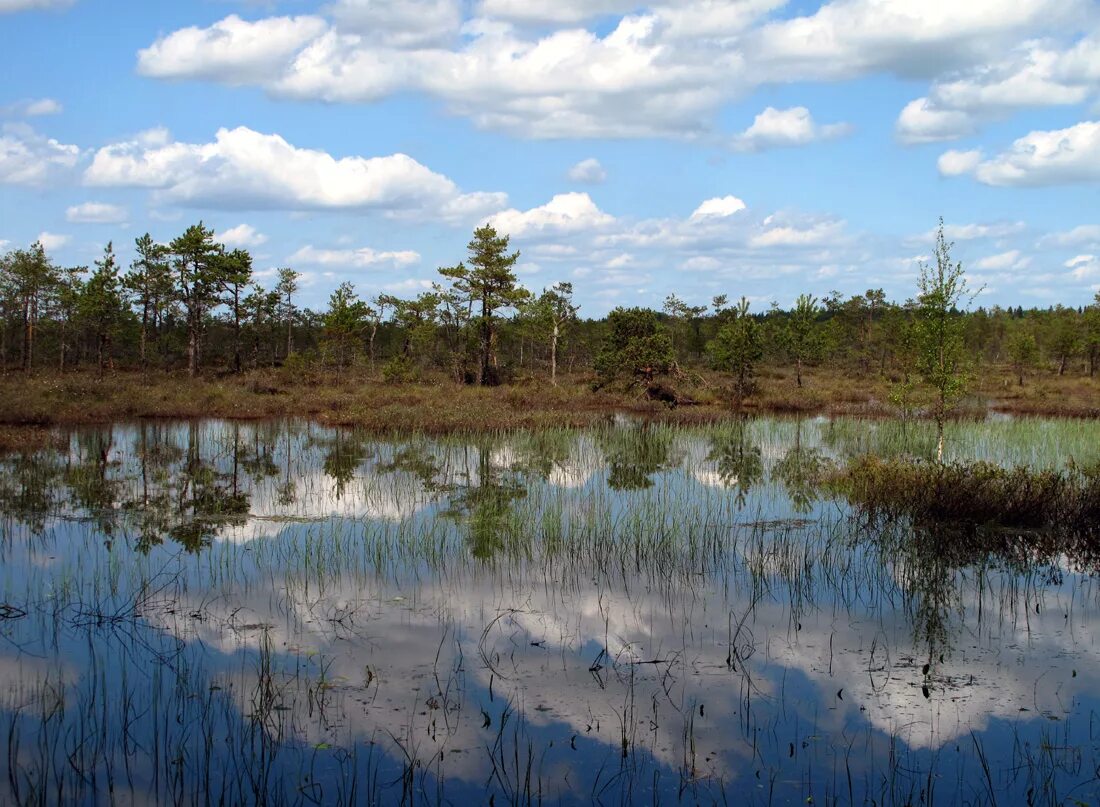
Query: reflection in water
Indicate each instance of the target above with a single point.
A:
(283, 613)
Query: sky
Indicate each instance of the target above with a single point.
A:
(697, 147)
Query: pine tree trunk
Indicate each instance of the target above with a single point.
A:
(554, 356)
(28, 334)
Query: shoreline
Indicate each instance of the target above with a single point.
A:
(35, 406)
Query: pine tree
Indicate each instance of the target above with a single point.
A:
(489, 282)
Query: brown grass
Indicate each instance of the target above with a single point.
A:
(354, 398)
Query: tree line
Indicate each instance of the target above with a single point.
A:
(193, 303)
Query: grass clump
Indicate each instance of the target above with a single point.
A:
(975, 493)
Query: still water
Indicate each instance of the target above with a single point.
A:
(283, 613)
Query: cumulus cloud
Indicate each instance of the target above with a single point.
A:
(1037, 73)
(954, 163)
(1012, 259)
(244, 169)
(588, 172)
(553, 11)
(28, 158)
(565, 213)
(1082, 234)
(719, 207)
(1057, 157)
(973, 231)
(662, 69)
(358, 258)
(786, 235)
(243, 235)
(409, 23)
(97, 213)
(923, 122)
(51, 241)
(775, 128)
(1084, 267)
(232, 50)
(33, 108)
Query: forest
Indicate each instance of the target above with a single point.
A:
(192, 305)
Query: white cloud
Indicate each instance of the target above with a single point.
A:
(42, 106)
(1037, 73)
(28, 158)
(589, 172)
(408, 23)
(910, 38)
(955, 163)
(553, 11)
(971, 231)
(97, 213)
(232, 50)
(775, 128)
(244, 236)
(9, 6)
(785, 235)
(33, 108)
(1058, 157)
(719, 207)
(359, 258)
(1082, 234)
(565, 213)
(662, 70)
(52, 241)
(922, 122)
(1002, 261)
(244, 169)
(701, 263)
(1085, 267)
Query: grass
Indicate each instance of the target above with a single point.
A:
(1065, 502)
(356, 398)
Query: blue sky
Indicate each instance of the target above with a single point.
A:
(744, 147)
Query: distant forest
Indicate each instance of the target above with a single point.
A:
(192, 304)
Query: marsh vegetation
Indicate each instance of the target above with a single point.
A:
(281, 612)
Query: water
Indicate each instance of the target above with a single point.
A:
(283, 613)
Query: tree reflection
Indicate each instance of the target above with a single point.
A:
(800, 472)
(738, 461)
(634, 455)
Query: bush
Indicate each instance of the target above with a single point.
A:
(398, 370)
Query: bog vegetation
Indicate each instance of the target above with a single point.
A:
(194, 304)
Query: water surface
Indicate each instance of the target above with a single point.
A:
(284, 613)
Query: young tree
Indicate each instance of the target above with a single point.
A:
(737, 348)
(550, 314)
(261, 322)
(344, 322)
(1023, 351)
(30, 278)
(490, 283)
(198, 265)
(1092, 334)
(103, 306)
(802, 335)
(688, 315)
(70, 290)
(1065, 335)
(150, 282)
(939, 333)
(286, 288)
(636, 345)
(234, 276)
(415, 319)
